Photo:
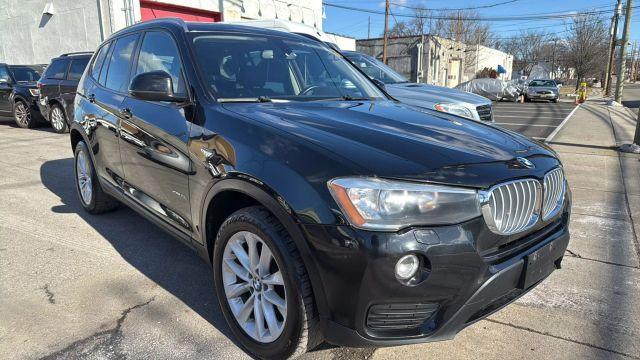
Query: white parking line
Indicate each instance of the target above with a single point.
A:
(555, 132)
(529, 110)
(514, 124)
(526, 115)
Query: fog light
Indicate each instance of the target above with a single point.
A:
(407, 266)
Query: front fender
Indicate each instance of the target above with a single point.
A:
(276, 204)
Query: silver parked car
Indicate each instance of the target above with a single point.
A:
(539, 89)
(433, 97)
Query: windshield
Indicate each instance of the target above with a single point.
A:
(377, 69)
(546, 83)
(23, 73)
(266, 68)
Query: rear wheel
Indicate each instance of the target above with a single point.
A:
(58, 119)
(22, 115)
(92, 197)
(263, 287)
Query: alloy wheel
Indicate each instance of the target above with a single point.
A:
(57, 118)
(254, 287)
(83, 175)
(22, 114)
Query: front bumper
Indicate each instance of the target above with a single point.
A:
(469, 277)
(543, 96)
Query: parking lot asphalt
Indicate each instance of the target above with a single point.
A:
(534, 119)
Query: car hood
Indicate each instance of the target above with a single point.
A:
(436, 94)
(388, 139)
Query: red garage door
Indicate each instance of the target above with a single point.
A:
(153, 10)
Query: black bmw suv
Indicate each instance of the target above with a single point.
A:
(327, 210)
(58, 88)
(19, 93)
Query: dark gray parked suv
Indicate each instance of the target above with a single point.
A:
(58, 88)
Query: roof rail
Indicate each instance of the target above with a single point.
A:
(77, 53)
(177, 21)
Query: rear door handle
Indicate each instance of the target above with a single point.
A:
(125, 113)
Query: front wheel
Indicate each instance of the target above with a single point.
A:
(58, 119)
(263, 287)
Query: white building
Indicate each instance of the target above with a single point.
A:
(479, 57)
(34, 31)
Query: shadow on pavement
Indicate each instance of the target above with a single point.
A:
(163, 259)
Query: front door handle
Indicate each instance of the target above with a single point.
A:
(125, 113)
(92, 98)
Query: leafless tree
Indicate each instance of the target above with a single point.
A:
(465, 26)
(585, 46)
(417, 26)
(527, 48)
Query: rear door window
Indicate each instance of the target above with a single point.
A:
(99, 60)
(77, 68)
(119, 63)
(57, 69)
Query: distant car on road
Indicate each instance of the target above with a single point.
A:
(58, 88)
(539, 89)
(18, 93)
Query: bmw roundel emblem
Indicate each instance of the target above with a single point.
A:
(525, 162)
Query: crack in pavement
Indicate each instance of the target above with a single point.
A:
(545, 333)
(106, 342)
(578, 256)
(49, 294)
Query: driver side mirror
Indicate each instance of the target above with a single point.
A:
(154, 86)
(379, 83)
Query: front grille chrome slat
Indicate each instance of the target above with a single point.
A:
(519, 206)
(554, 190)
(516, 206)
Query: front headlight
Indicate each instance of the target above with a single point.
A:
(377, 204)
(455, 110)
(34, 92)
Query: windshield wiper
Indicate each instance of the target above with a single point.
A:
(261, 99)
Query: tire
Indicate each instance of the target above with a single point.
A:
(93, 199)
(58, 119)
(22, 115)
(555, 101)
(300, 325)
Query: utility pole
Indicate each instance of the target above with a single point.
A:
(632, 72)
(369, 28)
(623, 52)
(613, 40)
(553, 59)
(386, 31)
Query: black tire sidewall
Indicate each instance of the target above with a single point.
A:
(64, 120)
(290, 336)
(81, 146)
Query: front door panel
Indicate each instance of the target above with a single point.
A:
(153, 146)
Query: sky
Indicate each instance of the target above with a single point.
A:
(355, 23)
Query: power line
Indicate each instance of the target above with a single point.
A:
(458, 9)
(567, 15)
